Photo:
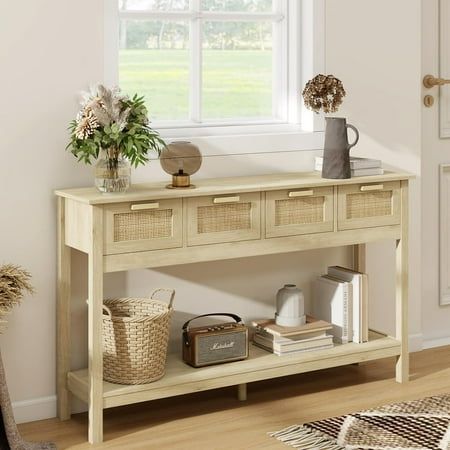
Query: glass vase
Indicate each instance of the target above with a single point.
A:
(112, 172)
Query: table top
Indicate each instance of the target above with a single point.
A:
(218, 186)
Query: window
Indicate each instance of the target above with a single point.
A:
(206, 62)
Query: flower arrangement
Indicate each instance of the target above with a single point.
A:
(14, 282)
(324, 92)
(118, 125)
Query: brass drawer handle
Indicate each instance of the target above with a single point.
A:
(142, 206)
(232, 199)
(372, 187)
(300, 193)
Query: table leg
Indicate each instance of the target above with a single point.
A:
(359, 257)
(402, 367)
(63, 349)
(95, 329)
(242, 392)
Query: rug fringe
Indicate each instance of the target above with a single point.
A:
(303, 438)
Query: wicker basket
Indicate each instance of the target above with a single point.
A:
(135, 338)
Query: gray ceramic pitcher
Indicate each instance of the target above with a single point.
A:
(336, 152)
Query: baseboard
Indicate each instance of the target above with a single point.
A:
(416, 342)
(35, 409)
(437, 342)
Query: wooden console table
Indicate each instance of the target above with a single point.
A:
(151, 226)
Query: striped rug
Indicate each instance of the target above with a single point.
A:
(414, 425)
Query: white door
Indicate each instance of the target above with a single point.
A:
(436, 166)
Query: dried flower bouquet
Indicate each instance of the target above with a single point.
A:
(116, 124)
(324, 92)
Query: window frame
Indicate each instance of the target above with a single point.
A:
(303, 56)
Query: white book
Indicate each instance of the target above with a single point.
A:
(367, 172)
(296, 338)
(359, 172)
(360, 299)
(355, 162)
(294, 345)
(322, 347)
(276, 352)
(332, 301)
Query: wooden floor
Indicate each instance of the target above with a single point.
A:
(216, 420)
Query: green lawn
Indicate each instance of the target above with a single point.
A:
(235, 83)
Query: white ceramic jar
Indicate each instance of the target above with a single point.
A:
(290, 306)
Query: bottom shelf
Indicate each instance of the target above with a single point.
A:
(261, 365)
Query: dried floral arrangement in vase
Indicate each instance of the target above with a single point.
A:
(326, 93)
(113, 129)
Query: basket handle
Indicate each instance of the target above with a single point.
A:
(105, 308)
(172, 294)
(108, 311)
(236, 318)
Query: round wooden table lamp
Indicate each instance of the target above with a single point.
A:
(181, 159)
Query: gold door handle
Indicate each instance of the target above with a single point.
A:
(429, 81)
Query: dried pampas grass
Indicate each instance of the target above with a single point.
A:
(14, 283)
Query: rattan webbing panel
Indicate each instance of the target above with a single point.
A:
(369, 204)
(227, 217)
(299, 211)
(142, 225)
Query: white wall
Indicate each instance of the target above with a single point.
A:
(52, 49)
(48, 51)
(375, 48)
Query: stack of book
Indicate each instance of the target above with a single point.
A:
(288, 340)
(341, 298)
(360, 167)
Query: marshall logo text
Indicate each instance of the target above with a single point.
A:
(221, 346)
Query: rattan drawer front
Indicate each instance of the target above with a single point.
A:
(227, 218)
(299, 211)
(133, 227)
(368, 205)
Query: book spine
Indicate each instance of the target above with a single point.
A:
(367, 172)
(365, 308)
(293, 345)
(321, 347)
(365, 164)
(357, 317)
(357, 172)
(355, 164)
(345, 326)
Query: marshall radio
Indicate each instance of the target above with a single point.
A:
(215, 344)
